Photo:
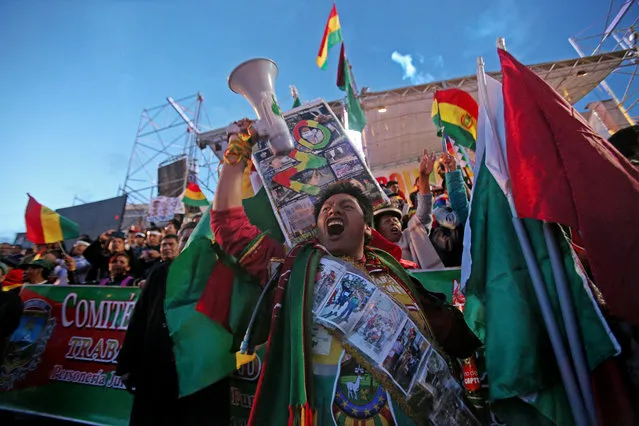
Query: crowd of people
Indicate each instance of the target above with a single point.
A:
(421, 230)
(114, 258)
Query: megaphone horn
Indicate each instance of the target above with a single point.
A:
(255, 80)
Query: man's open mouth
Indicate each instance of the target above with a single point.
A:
(335, 227)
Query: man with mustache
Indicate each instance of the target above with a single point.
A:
(344, 218)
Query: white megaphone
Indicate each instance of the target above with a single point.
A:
(255, 80)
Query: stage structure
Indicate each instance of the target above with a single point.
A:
(165, 155)
(614, 104)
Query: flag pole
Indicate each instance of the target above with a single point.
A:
(565, 368)
(570, 322)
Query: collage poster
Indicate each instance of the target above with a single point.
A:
(375, 324)
(323, 154)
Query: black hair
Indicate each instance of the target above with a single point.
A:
(120, 254)
(171, 237)
(626, 141)
(153, 228)
(176, 223)
(344, 187)
(391, 182)
(190, 225)
(378, 218)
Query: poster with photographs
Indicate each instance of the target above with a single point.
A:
(328, 273)
(377, 327)
(406, 355)
(346, 303)
(323, 154)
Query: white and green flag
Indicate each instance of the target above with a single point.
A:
(501, 306)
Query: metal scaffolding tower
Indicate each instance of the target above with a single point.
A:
(166, 134)
(618, 94)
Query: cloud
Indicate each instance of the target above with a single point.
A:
(410, 71)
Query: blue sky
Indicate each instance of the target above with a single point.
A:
(76, 75)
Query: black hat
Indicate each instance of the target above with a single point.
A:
(118, 234)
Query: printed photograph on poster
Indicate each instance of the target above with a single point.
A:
(345, 304)
(345, 169)
(328, 273)
(321, 340)
(298, 216)
(378, 326)
(453, 411)
(438, 381)
(341, 153)
(320, 143)
(404, 359)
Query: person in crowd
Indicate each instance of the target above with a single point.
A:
(37, 271)
(119, 271)
(151, 253)
(82, 265)
(196, 218)
(14, 278)
(138, 244)
(10, 312)
(626, 141)
(147, 367)
(450, 211)
(414, 240)
(59, 274)
(184, 234)
(172, 227)
(4, 270)
(393, 185)
(344, 217)
(413, 195)
(130, 236)
(100, 252)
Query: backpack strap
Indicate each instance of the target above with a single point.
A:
(125, 282)
(105, 281)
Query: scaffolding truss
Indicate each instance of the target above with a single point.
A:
(167, 133)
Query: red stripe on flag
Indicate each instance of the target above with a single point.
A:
(460, 98)
(33, 221)
(327, 31)
(562, 171)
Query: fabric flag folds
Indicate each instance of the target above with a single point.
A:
(455, 111)
(202, 347)
(193, 196)
(501, 306)
(44, 226)
(356, 116)
(564, 171)
(332, 36)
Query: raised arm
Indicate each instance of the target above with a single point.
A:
(424, 195)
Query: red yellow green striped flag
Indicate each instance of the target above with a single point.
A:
(193, 196)
(44, 226)
(455, 111)
(332, 36)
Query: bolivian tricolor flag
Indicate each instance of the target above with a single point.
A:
(456, 111)
(44, 226)
(193, 196)
(332, 36)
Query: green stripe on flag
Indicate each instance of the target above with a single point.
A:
(69, 228)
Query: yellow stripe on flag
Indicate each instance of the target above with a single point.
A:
(455, 115)
(51, 225)
(332, 26)
(194, 195)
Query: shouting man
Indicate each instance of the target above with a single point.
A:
(296, 385)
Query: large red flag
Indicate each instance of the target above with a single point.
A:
(563, 172)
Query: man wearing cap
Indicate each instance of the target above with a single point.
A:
(414, 240)
(82, 265)
(37, 271)
(102, 249)
(151, 253)
(138, 244)
(14, 276)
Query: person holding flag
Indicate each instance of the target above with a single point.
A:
(296, 386)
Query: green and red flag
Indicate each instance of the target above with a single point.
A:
(332, 36)
(44, 226)
(501, 307)
(455, 113)
(558, 164)
(193, 196)
(356, 115)
(203, 348)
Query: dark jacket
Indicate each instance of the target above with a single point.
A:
(147, 351)
(98, 256)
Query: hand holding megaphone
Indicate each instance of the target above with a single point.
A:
(254, 80)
